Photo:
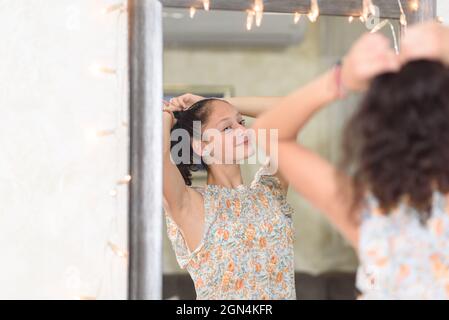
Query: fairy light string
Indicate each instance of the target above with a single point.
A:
(119, 132)
(254, 14)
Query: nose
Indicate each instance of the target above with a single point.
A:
(242, 135)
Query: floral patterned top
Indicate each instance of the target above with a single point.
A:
(247, 246)
(402, 258)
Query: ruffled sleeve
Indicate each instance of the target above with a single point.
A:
(272, 183)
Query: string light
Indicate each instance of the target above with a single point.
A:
(297, 17)
(114, 7)
(113, 193)
(351, 19)
(192, 12)
(206, 5)
(368, 9)
(258, 11)
(414, 5)
(98, 70)
(314, 11)
(117, 251)
(250, 19)
(95, 135)
(105, 133)
(381, 25)
(125, 180)
(403, 18)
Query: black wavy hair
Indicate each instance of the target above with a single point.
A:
(397, 142)
(199, 111)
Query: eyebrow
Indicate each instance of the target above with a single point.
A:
(238, 114)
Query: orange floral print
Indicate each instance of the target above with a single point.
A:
(199, 283)
(239, 284)
(262, 242)
(250, 232)
(279, 277)
(400, 256)
(247, 247)
(263, 199)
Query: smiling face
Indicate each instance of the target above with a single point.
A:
(226, 140)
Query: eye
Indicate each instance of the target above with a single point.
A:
(227, 129)
(242, 122)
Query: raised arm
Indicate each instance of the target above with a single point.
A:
(312, 176)
(253, 106)
(181, 203)
(247, 106)
(174, 188)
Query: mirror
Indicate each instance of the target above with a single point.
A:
(218, 53)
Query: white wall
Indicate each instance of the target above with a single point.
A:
(443, 10)
(56, 211)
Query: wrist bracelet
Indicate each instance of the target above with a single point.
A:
(341, 91)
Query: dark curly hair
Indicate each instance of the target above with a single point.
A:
(199, 111)
(397, 142)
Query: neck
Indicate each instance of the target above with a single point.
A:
(225, 175)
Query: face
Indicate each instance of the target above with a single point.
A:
(226, 140)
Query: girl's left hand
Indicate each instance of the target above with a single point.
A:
(369, 57)
(185, 101)
(429, 41)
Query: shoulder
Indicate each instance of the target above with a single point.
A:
(264, 176)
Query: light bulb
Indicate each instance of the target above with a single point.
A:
(258, 10)
(99, 70)
(414, 5)
(250, 20)
(114, 7)
(206, 5)
(314, 11)
(125, 180)
(192, 12)
(117, 251)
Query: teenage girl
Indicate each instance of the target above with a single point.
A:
(391, 196)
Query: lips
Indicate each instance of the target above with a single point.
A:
(242, 140)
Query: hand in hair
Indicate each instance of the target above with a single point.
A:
(429, 41)
(185, 101)
(370, 56)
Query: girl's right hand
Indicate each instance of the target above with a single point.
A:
(369, 57)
